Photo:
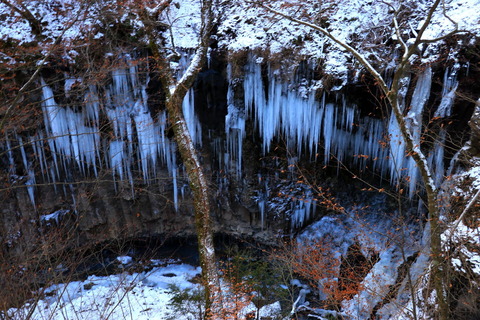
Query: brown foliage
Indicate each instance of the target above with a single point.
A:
(318, 263)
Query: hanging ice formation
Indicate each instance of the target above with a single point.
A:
(193, 125)
(338, 131)
(332, 129)
(311, 126)
(450, 84)
(188, 106)
(73, 139)
(401, 166)
(302, 210)
(234, 129)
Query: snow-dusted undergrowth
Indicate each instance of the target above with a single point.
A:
(140, 296)
(123, 296)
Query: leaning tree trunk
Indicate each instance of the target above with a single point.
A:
(197, 179)
(199, 187)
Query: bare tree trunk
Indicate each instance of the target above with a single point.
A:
(197, 180)
(199, 186)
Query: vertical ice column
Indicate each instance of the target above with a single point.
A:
(401, 165)
(413, 120)
(56, 122)
(117, 158)
(302, 210)
(329, 128)
(234, 127)
(30, 183)
(193, 124)
(37, 144)
(397, 144)
(435, 159)
(262, 198)
(450, 84)
(148, 135)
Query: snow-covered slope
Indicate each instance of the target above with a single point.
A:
(365, 24)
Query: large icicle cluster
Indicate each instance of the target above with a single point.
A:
(324, 130)
(72, 139)
(337, 130)
(234, 129)
(308, 125)
(400, 165)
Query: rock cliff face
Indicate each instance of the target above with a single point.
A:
(271, 150)
(294, 135)
(122, 187)
(278, 114)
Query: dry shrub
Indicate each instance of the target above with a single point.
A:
(322, 266)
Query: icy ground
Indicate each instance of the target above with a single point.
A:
(138, 296)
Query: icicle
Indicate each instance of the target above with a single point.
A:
(92, 106)
(37, 145)
(30, 183)
(23, 153)
(116, 157)
(302, 210)
(234, 128)
(329, 127)
(193, 124)
(414, 122)
(171, 159)
(261, 209)
(56, 121)
(12, 168)
(435, 160)
(72, 193)
(400, 164)
(147, 139)
(450, 85)
(31, 186)
(175, 189)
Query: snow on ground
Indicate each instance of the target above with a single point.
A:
(122, 296)
(138, 296)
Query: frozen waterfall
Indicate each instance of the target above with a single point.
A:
(336, 130)
(311, 126)
(115, 130)
(78, 139)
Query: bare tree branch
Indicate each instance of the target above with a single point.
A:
(342, 44)
(22, 90)
(27, 15)
(394, 96)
